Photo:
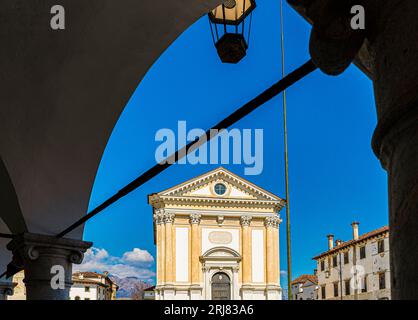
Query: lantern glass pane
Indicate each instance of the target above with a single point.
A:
(233, 16)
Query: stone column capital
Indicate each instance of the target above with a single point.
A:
(159, 216)
(39, 255)
(169, 217)
(195, 218)
(272, 221)
(30, 246)
(246, 220)
(6, 289)
(334, 44)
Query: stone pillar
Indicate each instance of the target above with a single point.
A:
(272, 287)
(387, 50)
(395, 140)
(6, 289)
(270, 223)
(159, 225)
(169, 220)
(246, 250)
(195, 248)
(276, 254)
(235, 286)
(39, 255)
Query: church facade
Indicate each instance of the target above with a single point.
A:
(217, 238)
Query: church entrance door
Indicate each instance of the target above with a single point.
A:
(221, 286)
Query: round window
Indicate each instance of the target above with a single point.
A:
(220, 188)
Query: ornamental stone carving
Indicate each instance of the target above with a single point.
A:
(272, 222)
(246, 220)
(195, 218)
(169, 217)
(38, 254)
(159, 216)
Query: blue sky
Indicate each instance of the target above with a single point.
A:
(334, 176)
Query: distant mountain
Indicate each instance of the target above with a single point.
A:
(128, 286)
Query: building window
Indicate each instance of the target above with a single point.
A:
(335, 289)
(346, 259)
(381, 246)
(334, 261)
(347, 287)
(364, 284)
(382, 281)
(322, 265)
(220, 188)
(323, 295)
(363, 252)
(87, 289)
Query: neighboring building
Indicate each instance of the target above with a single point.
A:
(149, 293)
(217, 237)
(355, 269)
(305, 287)
(92, 286)
(19, 292)
(86, 286)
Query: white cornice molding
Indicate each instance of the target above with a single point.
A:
(199, 201)
(227, 176)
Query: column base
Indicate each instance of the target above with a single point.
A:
(196, 292)
(273, 292)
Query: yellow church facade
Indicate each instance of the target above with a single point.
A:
(217, 238)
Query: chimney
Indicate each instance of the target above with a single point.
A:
(355, 229)
(330, 241)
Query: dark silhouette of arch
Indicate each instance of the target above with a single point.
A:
(10, 213)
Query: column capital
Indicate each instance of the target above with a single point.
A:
(334, 44)
(246, 220)
(6, 289)
(38, 254)
(169, 217)
(159, 216)
(195, 218)
(272, 221)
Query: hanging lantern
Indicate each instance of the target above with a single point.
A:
(229, 30)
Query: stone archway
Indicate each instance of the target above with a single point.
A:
(69, 98)
(221, 261)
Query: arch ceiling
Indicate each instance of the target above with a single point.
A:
(63, 91)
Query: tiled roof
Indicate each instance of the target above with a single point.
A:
(305, 277)
(351, 242)
(89, 281)
(91, 276)
(88, 274)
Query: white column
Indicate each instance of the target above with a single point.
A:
(235, 293)
(272, 287)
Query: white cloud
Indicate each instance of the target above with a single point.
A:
(283, 272)
(136, 263)
(138, 256)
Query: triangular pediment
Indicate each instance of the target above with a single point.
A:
(204, 186)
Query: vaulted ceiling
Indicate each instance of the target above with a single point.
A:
(62, 93)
